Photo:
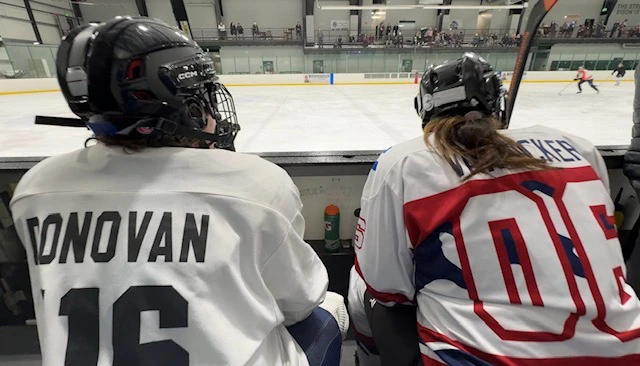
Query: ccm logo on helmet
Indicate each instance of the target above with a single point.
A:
(187, 75)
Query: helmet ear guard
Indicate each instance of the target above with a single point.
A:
(99, 66)
(194, 113)
(72, 71)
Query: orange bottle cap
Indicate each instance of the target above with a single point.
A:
(332, 210)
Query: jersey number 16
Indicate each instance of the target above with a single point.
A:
(82, 309)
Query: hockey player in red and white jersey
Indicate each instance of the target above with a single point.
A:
(157, 245)
(503, 240)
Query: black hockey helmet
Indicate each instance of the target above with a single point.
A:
(459, 86)
(131, 77)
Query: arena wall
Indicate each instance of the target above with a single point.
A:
(25, 86)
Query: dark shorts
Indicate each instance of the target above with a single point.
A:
(319, 337)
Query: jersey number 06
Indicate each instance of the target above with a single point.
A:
(553, 269)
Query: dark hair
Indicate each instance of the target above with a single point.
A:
(154, 140)
(476, 139)
(140, 142)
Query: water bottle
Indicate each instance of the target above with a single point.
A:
(332, 228)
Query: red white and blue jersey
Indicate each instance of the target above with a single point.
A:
(513, 268)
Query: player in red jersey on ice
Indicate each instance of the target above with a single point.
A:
(585, 77)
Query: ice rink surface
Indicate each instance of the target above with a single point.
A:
(336, 118)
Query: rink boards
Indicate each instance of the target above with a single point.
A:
(326, 138)
(26, 86)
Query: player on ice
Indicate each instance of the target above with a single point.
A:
(621, 71)
(156, 245)
(503, 241)
(585, 77)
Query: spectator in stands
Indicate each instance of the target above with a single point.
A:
(506, 40)
(553, 29)
(255, 30)
(600, 29)
(572, 26)
(232, 28)
(493, 39)
(222, 32)
(438, 38)
(615, 27)
(622, 28)
(298, 31)
(563, 29)
(320, 38)
(240, 31)
(543, 30)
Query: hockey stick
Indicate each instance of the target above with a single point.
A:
(538, 12)
(565, 88)
(60, 121)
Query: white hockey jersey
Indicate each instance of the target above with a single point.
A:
(169, 256)
(518, 268)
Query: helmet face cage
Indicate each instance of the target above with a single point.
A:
(211, 99)
(500, 102)
(224, 112)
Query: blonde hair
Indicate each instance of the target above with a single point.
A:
(479, 143)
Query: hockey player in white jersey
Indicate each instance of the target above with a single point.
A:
(156, 245)
(503, 240)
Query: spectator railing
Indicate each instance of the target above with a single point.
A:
(263, 34)
(548, 31)
(33, 61)
(418, 37)
(429, 37)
